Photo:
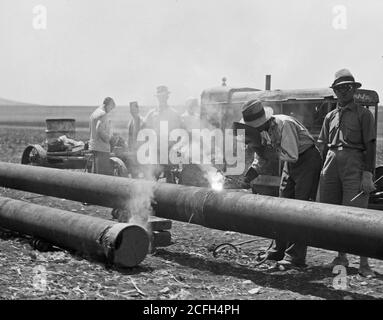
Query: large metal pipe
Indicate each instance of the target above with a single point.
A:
(121, 244)
(340, 228)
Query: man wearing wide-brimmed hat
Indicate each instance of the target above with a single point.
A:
(166, 115)
(348, 144)
(163, 112)
(295, 146)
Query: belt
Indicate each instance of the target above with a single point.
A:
(340, 148)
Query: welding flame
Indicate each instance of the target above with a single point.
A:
(216, 180)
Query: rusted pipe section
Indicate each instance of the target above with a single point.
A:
(121, 244)
(353, 230)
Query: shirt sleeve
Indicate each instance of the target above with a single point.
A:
(288, 150)
(258, 162)
(368, 127)
(323, 135)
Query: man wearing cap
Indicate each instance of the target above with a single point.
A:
(302, 164)
(167, 115)
(348, 144)
(100, 135)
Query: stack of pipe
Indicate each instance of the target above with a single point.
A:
(121, 244)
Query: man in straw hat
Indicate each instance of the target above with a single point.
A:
(348, 143)
(166, 115)
(302, 164)
(163, 112)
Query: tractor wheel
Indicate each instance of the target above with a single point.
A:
(34, 155)
(118, 167)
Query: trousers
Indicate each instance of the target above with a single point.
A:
(299, 181)
(102, 163)
(341, 178)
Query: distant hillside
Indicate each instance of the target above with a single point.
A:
(6, 102)
(14, 114)
(26, 114)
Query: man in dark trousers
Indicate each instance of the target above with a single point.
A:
(348, 143)
(302, 164)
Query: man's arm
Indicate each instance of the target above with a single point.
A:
(289, 143)
(370, 156)
(323, 148)
(367, 184)
(323, 139)
(259, 160)
(369, 140)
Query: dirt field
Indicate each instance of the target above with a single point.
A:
(184, 270)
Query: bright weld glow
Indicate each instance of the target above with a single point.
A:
(216, 180)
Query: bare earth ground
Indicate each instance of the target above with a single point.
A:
(184, 270)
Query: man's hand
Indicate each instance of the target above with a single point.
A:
(367, 185)
(242, 183)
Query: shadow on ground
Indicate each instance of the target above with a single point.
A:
(301, 281)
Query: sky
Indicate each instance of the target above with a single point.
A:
(89, 49)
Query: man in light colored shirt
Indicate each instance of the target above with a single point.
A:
(100, 134)
(294, 145)
(348, 143)
(166, 114)
(162, 113)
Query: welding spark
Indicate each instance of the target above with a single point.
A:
(216, 180)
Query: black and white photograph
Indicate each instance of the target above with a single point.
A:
(191, 155)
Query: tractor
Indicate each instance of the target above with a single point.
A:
(221, 106)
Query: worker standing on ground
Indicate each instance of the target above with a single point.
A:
(348, 143)
(294, 145)
(100, 135)
(166, 115)
(134, 126)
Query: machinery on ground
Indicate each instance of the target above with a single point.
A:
(55, 153)
(221, 106)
